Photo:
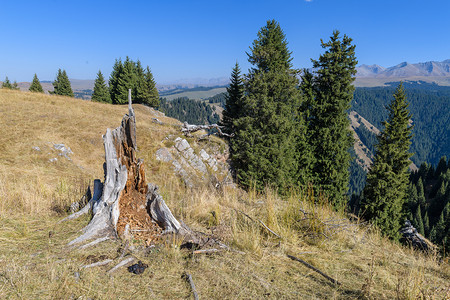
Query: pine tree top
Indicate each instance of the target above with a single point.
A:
(269, 52)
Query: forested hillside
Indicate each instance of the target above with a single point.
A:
(430, 109)
(188, 110)
(429, 202)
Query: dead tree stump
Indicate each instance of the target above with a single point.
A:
(127, 205)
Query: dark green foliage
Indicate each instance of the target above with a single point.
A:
(357, 175)
(433, 198)
(116, 90)
(426, 224)
(234, 101)
(367, 137)
(62, 84)
(418, 222)
(36, 85)
(153, 95)
(131, 75)
(15, 86)
(328, 123)
(430, 108)
(6, 84)
(187, 110)
(101, 91)
(270, 147)
(420, 192)
(219, 99)
(387, 180)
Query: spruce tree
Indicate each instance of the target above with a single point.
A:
(153, 99)
(15, 86)
(122, 78)
(6, 84)
(101, 92)
(36, 85)
(418, 221)
(426, 224)
(264, 150)
(114, 90)
(233, 105)
(131, 75)
(387, 180)
(329, 125)
(420, 192)
(62, 84)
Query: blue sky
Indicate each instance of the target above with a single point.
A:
(203, 39)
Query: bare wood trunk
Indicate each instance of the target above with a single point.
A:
(126, 200)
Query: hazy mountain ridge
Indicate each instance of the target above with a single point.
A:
(405, 69)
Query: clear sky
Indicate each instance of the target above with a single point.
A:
(203, 39)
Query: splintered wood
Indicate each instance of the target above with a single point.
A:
(133, 211)
(132, 201)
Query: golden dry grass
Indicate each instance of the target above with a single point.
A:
(36, 264)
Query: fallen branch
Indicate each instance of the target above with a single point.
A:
(314, 269)
(206, 251)
(124, 251)
(188, 278)
(270, 230)
(187, 129)
(260, 222)
(99, 263)
(95, 242)
(121, 264)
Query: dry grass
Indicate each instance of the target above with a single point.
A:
(36, 264)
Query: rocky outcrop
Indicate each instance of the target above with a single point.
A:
(412, 237)
(195, 166)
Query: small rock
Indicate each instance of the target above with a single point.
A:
(53, 159)
(181, 144)
(204, 155)
(155, 120)
(64, 151)
(36, 148)
(163, 154)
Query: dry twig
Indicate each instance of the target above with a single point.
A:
(314, 269)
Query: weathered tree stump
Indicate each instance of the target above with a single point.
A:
(126, 205)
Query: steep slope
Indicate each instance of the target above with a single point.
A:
(363, 153)
(35, 191)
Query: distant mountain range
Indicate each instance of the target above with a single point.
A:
(405, 69)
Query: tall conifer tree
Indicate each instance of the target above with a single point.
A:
(101, 92)
(36, 85)
(62, 84)
(387, 180)
(153, 99)
(15, 86)
(233, 105)
(264, 150)
(328, 126)
(131, 75)
(6, 84)
(141, 93)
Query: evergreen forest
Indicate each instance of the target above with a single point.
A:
(428, 205)
(188, 110)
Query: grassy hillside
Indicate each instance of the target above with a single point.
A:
(34, 192)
